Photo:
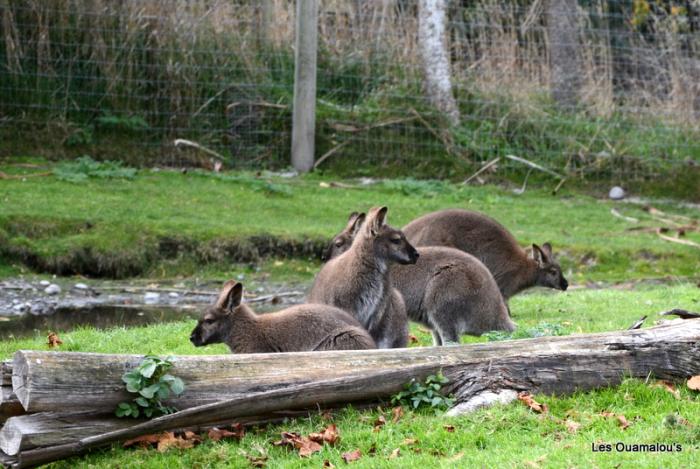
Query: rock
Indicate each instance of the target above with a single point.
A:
(173, 294)
(52, 289)
(616, 193)
(151, 297)
(80, 286)
(44, 283)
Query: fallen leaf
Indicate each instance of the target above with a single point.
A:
(456, 457)
(327, 435)
(449, 428)
(572, 426)
(217, 434)
(379, 423)
(327, 463)
(190, 435)
(53, 340)
(412, 339)
(170, 440)
(372, 449)
(607, 414)
(217, 166)
(623, 422)
(257, 461)
(142, 441)
(352, 455)
(527, 399)
(410, 441)
(694, 383)
(670, 387)
(303, 444)
(395, 454)
(396, 414)
(327, 415)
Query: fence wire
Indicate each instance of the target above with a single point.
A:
(125, 79)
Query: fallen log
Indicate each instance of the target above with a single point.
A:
(47, 381)
(9, 404)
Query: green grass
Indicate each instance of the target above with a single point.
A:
(503, 436)
(167, 223)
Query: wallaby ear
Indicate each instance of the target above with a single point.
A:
(539, 255)
(230, 295)
(355, 223)
(375, 219)
(547, 249)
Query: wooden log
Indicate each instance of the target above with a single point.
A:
(9, 404)
(46, 381)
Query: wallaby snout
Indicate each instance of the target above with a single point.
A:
(564, 284)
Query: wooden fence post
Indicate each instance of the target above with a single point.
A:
(304, 114)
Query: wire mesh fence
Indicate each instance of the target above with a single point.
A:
(125, 79)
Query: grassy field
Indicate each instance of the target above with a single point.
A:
(504, 436)
(166, 224)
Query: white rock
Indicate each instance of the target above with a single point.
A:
(80, 286)
(151, 297)
(617, 193)
(44, 283)
(52, 289)
(173, 294)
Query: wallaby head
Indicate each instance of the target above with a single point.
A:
(213, 327)
(387, 242)
(548, 270)
(343, 240)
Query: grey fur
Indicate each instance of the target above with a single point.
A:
(491, 243)
(447, 290)
(358, 281)
(307, 327)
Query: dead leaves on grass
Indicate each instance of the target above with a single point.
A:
(217, 434)
(694, 383)
(165, 441)
(53, 340)
(351, 456)
(313, 443)
(527, 399)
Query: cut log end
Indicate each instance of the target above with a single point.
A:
(10, 438)
(20, 379)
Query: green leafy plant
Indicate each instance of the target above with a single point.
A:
(85, 167)
(152, 382)
(425, 394)
(123, 123)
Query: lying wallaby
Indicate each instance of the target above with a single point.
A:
(358, 281)
(447, 290)
(491, 243)
(307, 327)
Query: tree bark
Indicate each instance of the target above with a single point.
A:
(564, 52)
(435, 58)
(9, 404)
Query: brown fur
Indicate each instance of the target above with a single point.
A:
(491, 243)
(307, 327)
(358, 281)
(447, 290)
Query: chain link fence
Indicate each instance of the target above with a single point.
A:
(126, 79)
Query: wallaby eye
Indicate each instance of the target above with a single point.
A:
(209, 321)
(338, 243)
(396, 240)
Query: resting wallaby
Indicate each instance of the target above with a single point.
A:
(447, 290)
(307, 327)
(358, 281)
(491, 243)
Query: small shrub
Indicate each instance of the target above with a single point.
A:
(128, 123)
(153, 384)
(85, 167)
(427, 394)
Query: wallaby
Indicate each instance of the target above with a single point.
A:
(358, 281)
(491, 243)
(447, 290)
(307, 327)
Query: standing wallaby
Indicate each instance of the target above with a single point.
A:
(307, 327)
(447, 290)
(491, 243)
(358, 281)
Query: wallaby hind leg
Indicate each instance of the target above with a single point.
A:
(350, 338)
(437, 341)
(444, 324)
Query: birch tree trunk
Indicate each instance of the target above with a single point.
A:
(564, 52)
(435, 58)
